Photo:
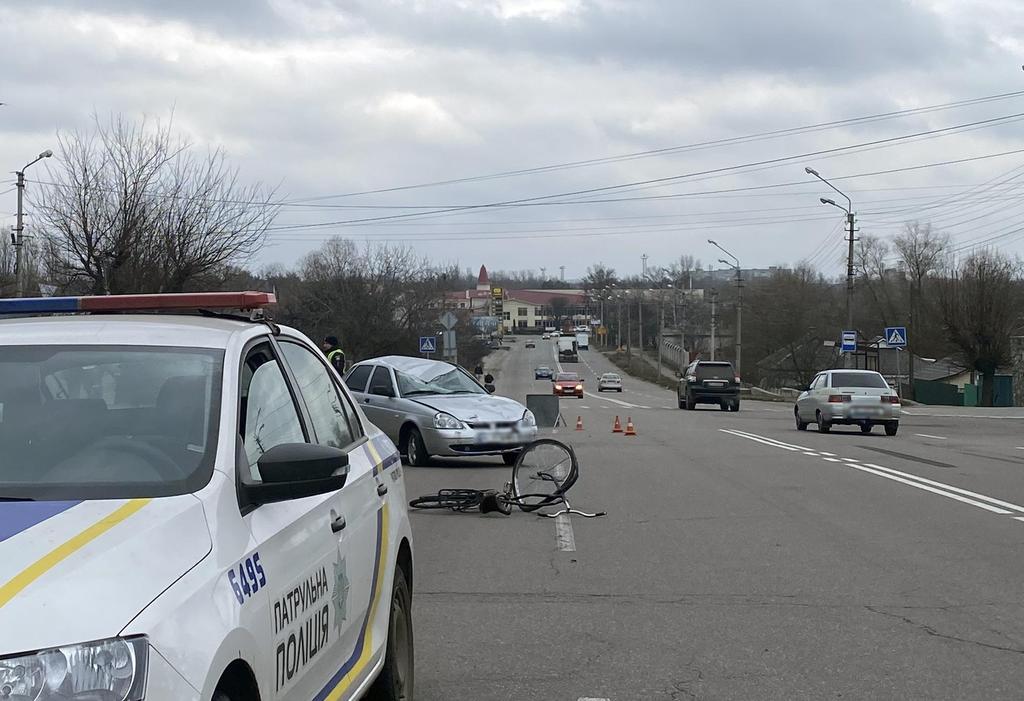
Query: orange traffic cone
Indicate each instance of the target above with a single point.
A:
(630, 429)
(617, 428)
(579, 423)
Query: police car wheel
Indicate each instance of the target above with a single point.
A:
(395, 681)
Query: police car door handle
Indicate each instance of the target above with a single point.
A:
(382, 489)
(338, 524)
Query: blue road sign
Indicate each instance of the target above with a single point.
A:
(428, 344)
(849, 342)
(896, 336)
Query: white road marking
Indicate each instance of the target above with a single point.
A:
(615, 401)
(778, 442)
(1018, 518)
(591, 698)
(947, 490)
(941, 492)
(605, 406)
(811, 453)
(961, 416)
(758, 439)
(925, 435)
(849, 460)
(584, 406)
(831, 455)
(958, 490)
(563, 534)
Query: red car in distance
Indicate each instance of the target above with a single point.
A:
(567, 384)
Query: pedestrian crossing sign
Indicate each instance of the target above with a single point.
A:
(896, 336)
(428, 344)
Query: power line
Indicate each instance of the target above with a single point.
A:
(672, 178)
(821, 126)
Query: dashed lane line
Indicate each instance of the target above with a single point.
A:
(926, 435)
(981, 501)
(564, 536)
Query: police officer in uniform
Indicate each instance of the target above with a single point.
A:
(335, 355)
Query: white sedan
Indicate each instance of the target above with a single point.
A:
(609, 381)
(192, 508)
(850, 398)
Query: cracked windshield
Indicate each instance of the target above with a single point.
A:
(511, 350)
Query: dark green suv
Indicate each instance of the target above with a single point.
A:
(709, 382)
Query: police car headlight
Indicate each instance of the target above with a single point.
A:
(528, 418)
(443, 420)
(113, 670)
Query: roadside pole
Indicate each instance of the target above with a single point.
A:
(714, 322)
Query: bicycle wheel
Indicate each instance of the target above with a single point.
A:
(454, 499)
(545, 470)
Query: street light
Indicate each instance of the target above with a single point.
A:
(735, 265)
(19, 227)
(850, 224)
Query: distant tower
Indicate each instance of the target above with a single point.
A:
(562, 268)
(543, 273)
(482, 282)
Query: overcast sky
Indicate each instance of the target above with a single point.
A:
(334, 97)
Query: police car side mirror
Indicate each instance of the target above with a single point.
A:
(296, 470)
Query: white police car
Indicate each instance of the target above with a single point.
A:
(192, 507)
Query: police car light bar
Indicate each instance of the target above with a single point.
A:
(243, 301)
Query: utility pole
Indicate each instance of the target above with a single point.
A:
(18, 239)
(644, 258)
(661, 331)
(714, 321)
(618, 324)
(629, 334)
(641, 328)
(739, 319)
(849, 273)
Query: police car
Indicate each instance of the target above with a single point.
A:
(192, 507)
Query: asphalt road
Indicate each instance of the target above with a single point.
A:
(739, 559)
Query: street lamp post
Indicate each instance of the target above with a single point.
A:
(850, 218)
(19, 227)
(735, 265)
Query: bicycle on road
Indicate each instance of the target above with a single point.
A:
(543, 473)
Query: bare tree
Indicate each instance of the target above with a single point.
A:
(979, 304)
(132, 208)
(879, 281)
(922, 253)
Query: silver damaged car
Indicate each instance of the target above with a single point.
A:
(433, 408)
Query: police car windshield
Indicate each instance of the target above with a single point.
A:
(451, 381)
(99, 422)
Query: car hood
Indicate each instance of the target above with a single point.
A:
(476, 407)
(78, 571)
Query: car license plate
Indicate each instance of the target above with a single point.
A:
(495, 437)
(716, 384)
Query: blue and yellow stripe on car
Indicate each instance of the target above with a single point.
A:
(356, 665)
(37, 569)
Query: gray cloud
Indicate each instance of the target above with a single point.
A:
(340, 96)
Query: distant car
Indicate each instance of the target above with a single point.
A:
(567, 384)
(609, 381)
(849, 398)
(542, 373)
(531, 344)
(556, 334)
(430, 407)
(545, 337)
(709, 382)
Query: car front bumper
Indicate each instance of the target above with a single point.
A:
(470, 441)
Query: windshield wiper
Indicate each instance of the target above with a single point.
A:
(420, 391)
